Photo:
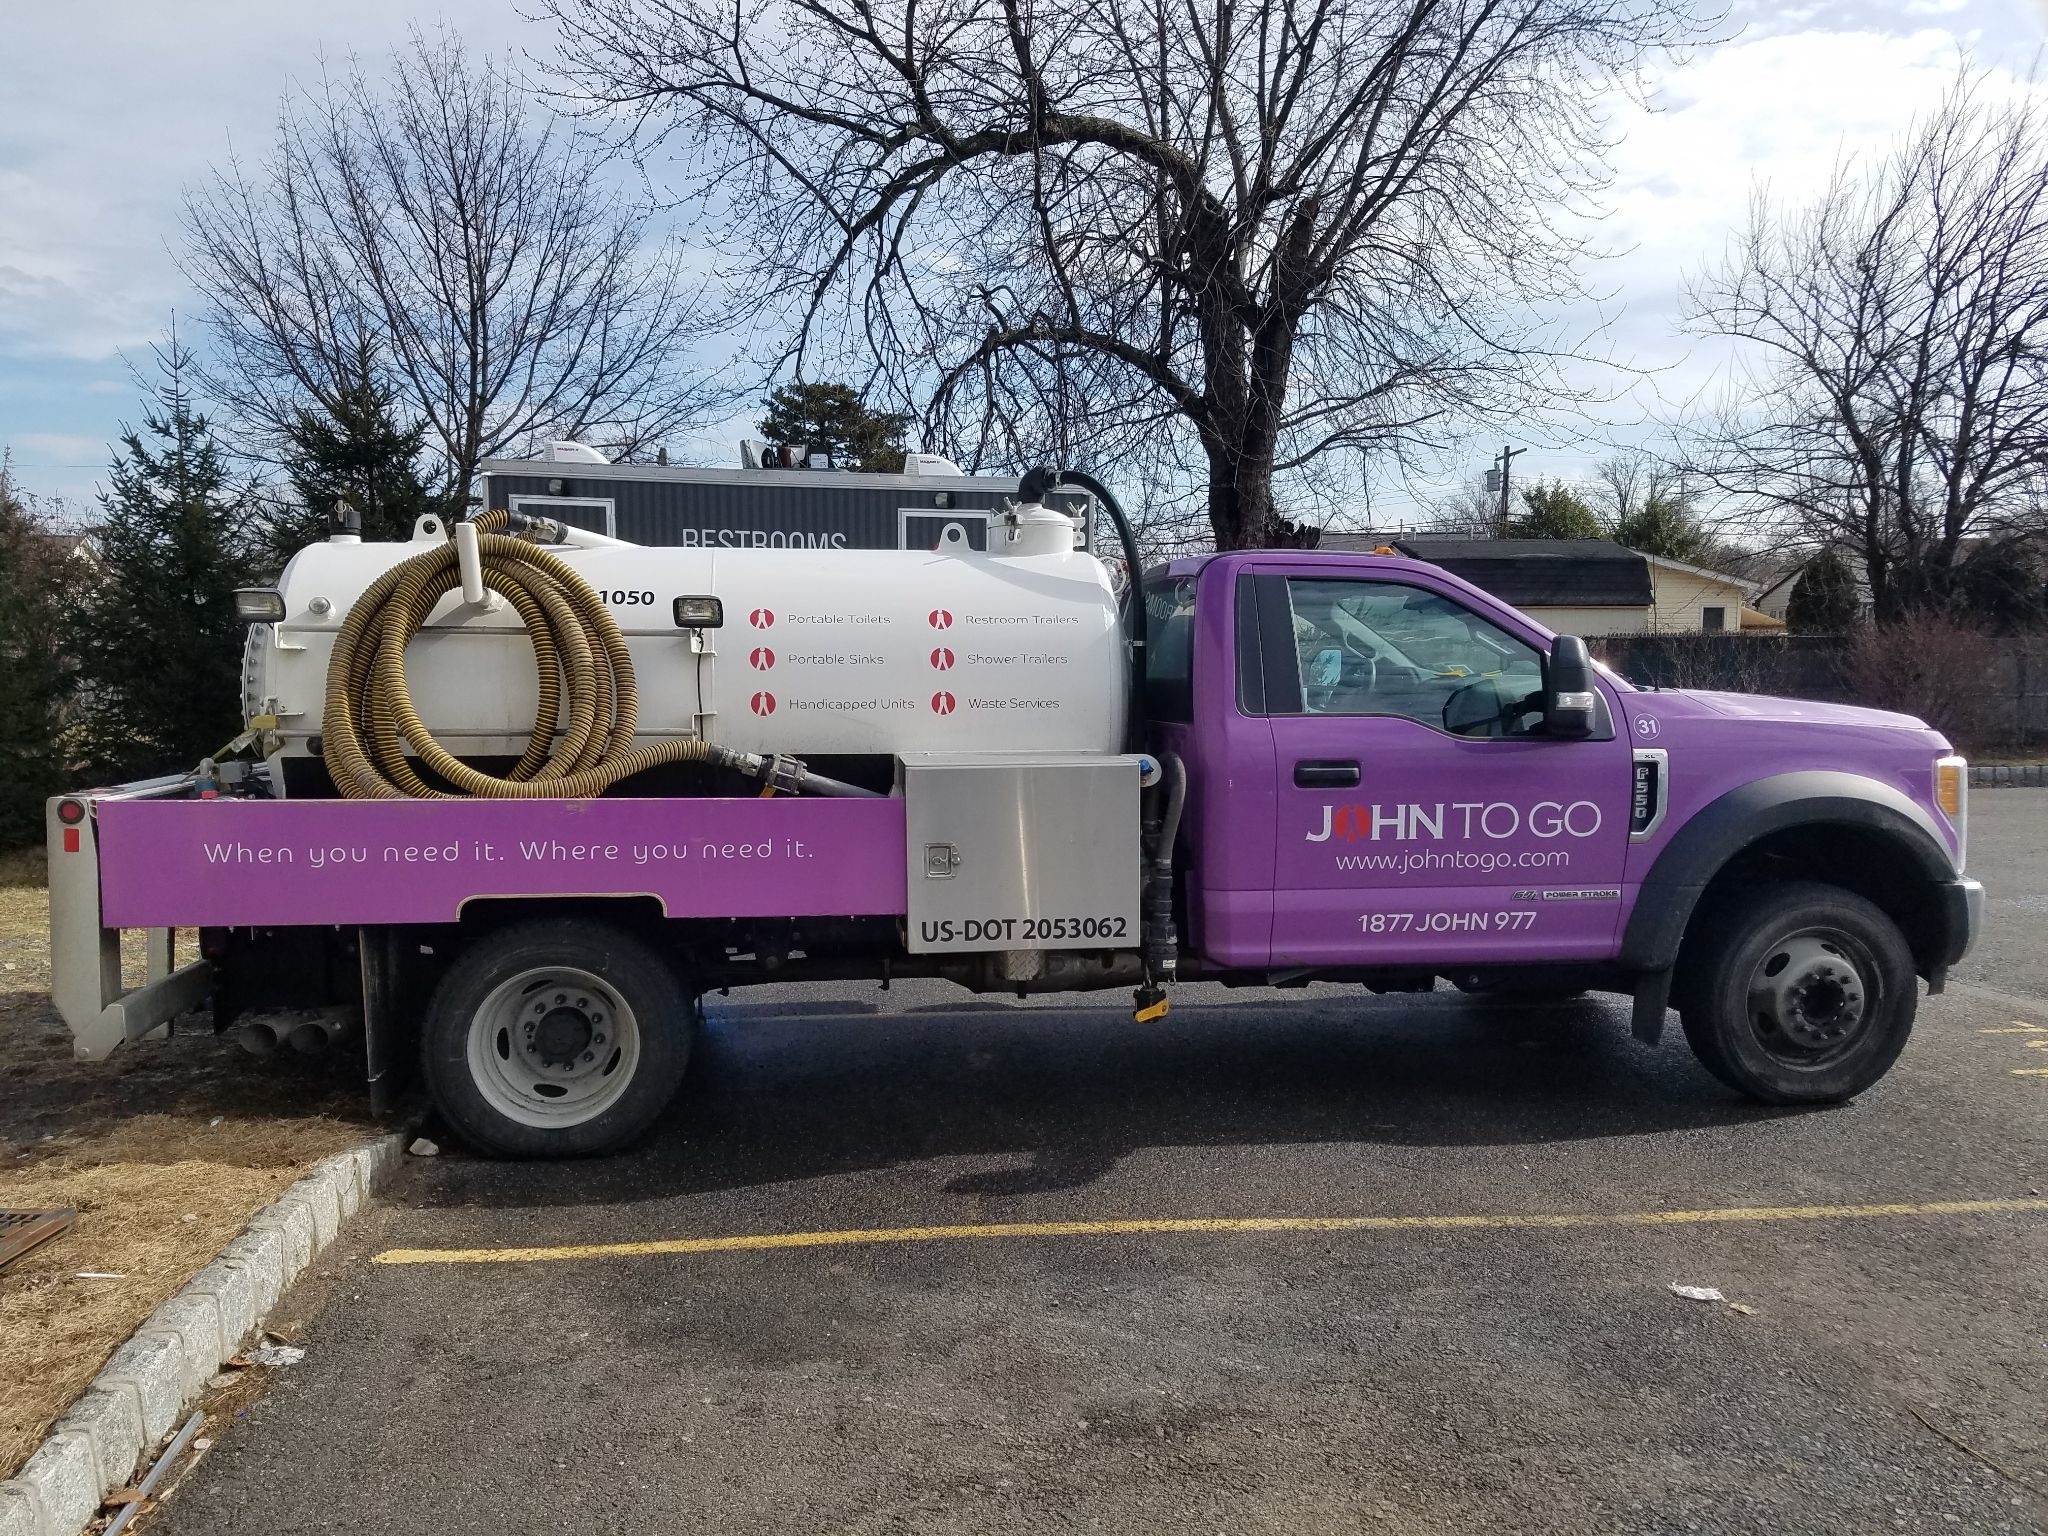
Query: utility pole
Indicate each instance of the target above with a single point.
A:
(1497, 478)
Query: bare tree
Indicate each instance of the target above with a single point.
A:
(1226, 242)
(479, 255)
(1472, 511)
(1902, 404)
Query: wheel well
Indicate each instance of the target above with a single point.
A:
(1861, 859)
(487, 914)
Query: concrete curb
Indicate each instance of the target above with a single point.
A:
(147, 1386)
(2030, 775)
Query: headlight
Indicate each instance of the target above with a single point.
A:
(258, 605)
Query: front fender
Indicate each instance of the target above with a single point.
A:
(1743, 817)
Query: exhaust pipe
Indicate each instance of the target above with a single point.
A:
(321, 1031)
(307, 1033)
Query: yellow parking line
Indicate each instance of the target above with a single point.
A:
(1146, 1226)
(2030, 1071)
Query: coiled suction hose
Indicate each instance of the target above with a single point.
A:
(578, 649)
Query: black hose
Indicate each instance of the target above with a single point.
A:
(1161, 943)
(1032, 488)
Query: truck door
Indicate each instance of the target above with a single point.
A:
(1423, 816)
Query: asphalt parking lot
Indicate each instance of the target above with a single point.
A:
(1502, 1353)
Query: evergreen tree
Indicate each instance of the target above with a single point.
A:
(1664, 525)
(1824, 599)
(1998, 584)
(1554, 510)
(361, 453)
(159, 648)
(833, 419)
(33, 677)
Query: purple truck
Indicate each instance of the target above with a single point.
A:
(1341, 768)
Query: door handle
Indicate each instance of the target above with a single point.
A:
(1325, 773)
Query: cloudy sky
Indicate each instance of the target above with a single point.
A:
(109, 108)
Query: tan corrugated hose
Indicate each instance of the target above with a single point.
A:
(578, 649)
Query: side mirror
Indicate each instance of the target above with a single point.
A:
(1569, 703)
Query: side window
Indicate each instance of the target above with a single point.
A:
(1381, 648)
(1170, 649)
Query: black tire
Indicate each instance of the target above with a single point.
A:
(1797, 994)
(527, 1068)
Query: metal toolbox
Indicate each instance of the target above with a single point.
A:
(1021, 851)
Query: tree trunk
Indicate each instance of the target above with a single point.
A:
(1241, 497)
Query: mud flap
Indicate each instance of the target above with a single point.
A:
(387, 1017)
(1653, 996)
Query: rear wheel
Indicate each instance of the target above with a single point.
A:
(1799, 994)
(556, 1039)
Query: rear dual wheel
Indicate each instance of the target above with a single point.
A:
(1797, 994)
(556, 1039)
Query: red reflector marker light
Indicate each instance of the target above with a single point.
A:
(71, 839)
(71, 812)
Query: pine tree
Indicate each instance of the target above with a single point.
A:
(33, 677)
(358, 452)
(834, 419)
(1664, 525)
(1824, 600)
(1555, 511)
(159, 648)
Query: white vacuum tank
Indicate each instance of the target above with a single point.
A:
(821, 651)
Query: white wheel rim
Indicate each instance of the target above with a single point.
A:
(553, 1047)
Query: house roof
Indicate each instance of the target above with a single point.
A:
(1750, 589)
(1540, 573)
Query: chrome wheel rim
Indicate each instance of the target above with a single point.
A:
(1812, 995)
(553, 1046)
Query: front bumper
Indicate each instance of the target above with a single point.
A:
(1962, 910)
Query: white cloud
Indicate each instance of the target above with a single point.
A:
(1773, 111)
(109, 118)
(68, 448)
(1772, 116)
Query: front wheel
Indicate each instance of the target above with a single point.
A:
(1798, 994)
(556, 1039)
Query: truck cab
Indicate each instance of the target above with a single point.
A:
(1390, 775)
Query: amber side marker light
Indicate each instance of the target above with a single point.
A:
(1948, 787)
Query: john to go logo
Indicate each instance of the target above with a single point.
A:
(942, 703)
(764, 704)
(761, 658)
(762, 618)
(942, 659)
(939, 618)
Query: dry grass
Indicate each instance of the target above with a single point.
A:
(26, 866)
(166, 1150)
